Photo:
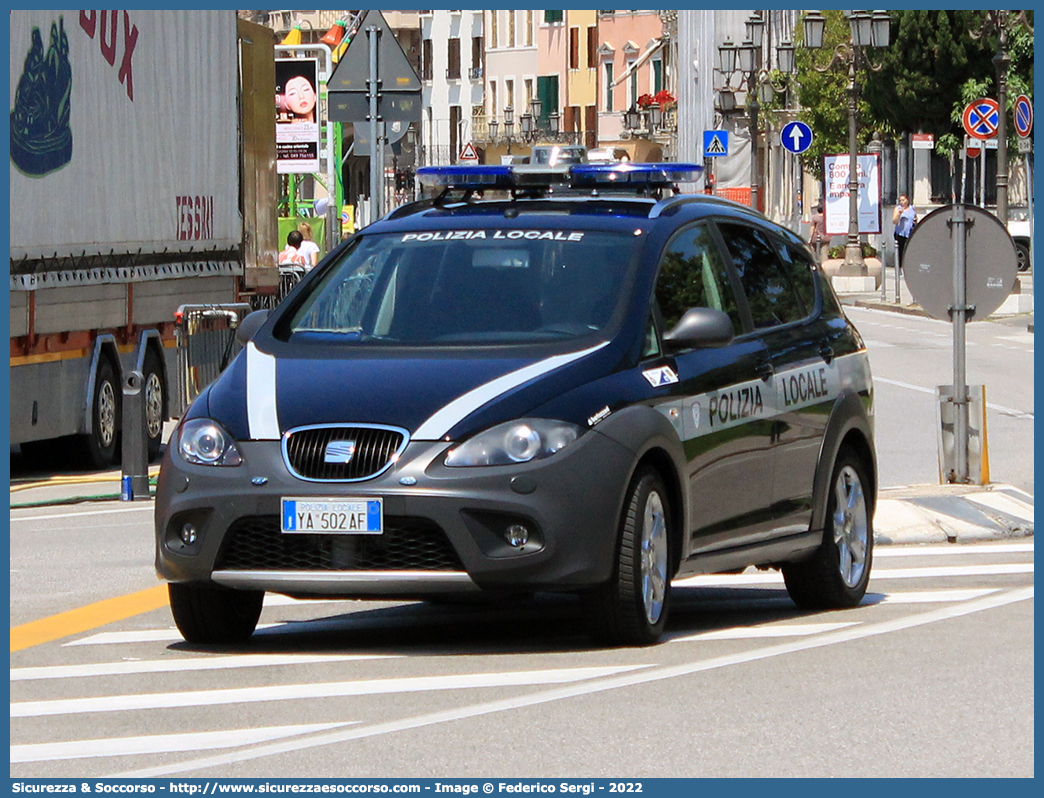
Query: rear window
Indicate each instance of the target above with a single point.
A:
(468, 287)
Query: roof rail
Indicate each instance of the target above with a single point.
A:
(667, 204)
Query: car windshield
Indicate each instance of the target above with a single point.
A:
(454, 287)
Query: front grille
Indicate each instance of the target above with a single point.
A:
(408, 544)
(376, 447)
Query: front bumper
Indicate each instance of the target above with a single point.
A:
(443, 534)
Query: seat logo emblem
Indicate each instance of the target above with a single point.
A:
(339, 452)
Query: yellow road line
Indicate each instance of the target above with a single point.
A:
(80, 479)
(83, 619)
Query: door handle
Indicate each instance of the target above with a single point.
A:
(764, 369)
(826, 351)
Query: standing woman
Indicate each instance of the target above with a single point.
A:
(308, 247)
(903, 217)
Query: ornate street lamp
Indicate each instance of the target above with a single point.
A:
(553, 123)
(865, 31)
(746, 59)
(632, 118)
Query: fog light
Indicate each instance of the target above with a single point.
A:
(517, 535)
(188, 534)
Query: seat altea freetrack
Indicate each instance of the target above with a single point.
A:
(578, 382)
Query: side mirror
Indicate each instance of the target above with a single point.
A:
(250, 325)
(701, 327)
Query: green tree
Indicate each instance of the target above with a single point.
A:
(932, 55)
(932, 68)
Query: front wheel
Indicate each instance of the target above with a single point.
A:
(99, 447)
(836, 576)
(631, 609)
(1022, 256)
(211, 614)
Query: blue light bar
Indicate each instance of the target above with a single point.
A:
(635, 174)
(627, 176)
(473, 177)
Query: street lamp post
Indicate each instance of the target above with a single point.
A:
(866, 30)
(746, 59)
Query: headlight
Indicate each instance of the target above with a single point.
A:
(514, 442)
(205, 442)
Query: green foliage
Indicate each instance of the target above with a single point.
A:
(933, 67)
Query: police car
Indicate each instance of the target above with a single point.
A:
(580, 382)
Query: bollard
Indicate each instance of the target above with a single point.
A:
(135, 482)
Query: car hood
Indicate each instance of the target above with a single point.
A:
(438, 396)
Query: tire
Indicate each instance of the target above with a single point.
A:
(211, 614)
(1022, 256)
(155, 400)
(836, 576)
(100, 446)
(631, 609)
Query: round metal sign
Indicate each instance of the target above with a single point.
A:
(981, 118)
(991, 265)
(796, 137)
(1023, 115)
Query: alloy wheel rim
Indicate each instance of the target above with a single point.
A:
(654, 558)
(851, 526)
(106, 414)
(154, 405)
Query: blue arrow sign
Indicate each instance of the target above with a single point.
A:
(715, 143)
(796, 137)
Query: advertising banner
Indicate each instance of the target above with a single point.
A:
(835, 178)
(297, 112)
(98, 101)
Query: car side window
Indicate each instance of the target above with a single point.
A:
(800, 268)
(693, 274)
(770, 295)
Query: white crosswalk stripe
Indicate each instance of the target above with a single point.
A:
(293, 692)
(773, 622)
(161, 743)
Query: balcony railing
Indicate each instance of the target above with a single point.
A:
(475, 73)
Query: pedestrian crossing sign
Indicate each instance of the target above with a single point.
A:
(715, 143)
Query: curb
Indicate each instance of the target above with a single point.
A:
(952, 514)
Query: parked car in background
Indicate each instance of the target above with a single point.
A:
(1021, 231)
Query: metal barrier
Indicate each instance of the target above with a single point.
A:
(289, 277)
(206, 339)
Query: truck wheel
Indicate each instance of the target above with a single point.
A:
(99, 446)
(836, 576)
(155, 396)
(631, 609)
(214, 614)
(1022, 256)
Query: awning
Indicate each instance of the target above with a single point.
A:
(653, 48)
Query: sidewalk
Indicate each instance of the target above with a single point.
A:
(1013, 313)
(914, 514)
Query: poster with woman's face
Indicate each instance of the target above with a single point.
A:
(297, 112)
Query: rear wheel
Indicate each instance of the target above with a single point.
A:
(155, 396)
(214, 614)
(631, 609)
(836, 576)
(99, 446)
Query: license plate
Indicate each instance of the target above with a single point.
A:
(334, 516)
